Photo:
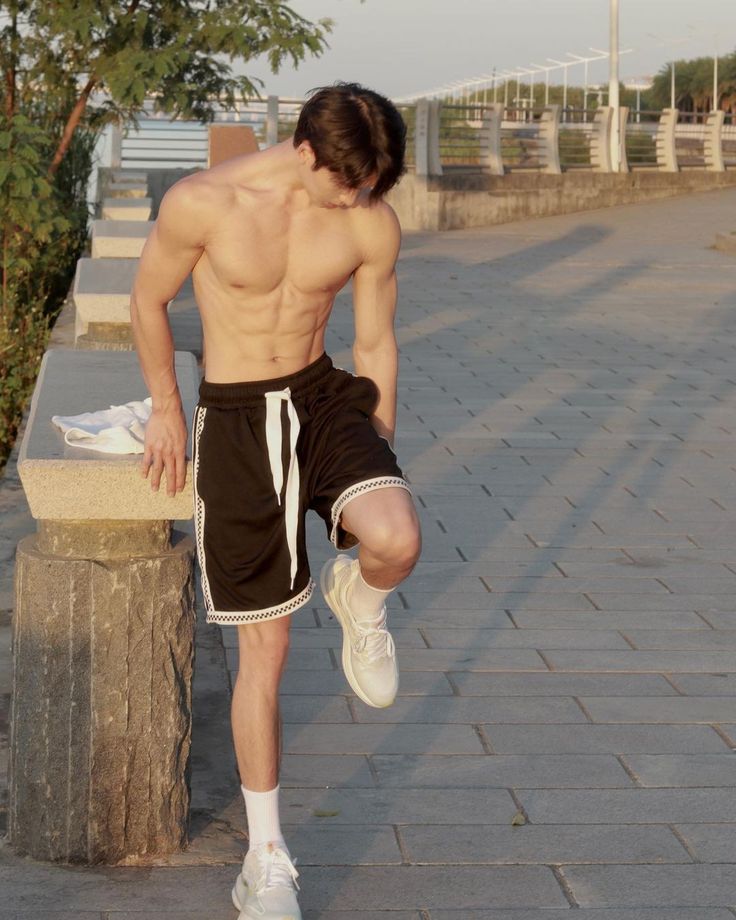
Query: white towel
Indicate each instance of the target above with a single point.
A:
(117, 430)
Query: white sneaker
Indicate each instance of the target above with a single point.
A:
(368, 651)
(264, 889)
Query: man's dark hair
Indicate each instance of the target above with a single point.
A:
(356, 133)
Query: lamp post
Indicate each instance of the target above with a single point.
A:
(613, 97)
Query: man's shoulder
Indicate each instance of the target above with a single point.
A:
(378, 229)
(198, 193)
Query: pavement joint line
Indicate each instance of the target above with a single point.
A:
(731, 742)
(559, 874)
(684, 843)
(584, 710)
(631, 773)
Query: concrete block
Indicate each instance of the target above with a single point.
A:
(557, 683)
(101, 292)
(119, 239)
(381, 739)
(556, 844)
(363, 807)
(711, 843)
(628, 806)
(690, 660)
(126, 208)
(705, 684)
(73, 483)
(126, 190)
(131, 176)
(677, 709)
(343, 846)
(691, 770)
(433, 887)
(475, 710)
(604, 739)
(412, 683)
(540, 770)
(693, 886)
(682, 638)
(299, 771)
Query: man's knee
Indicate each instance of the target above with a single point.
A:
(396, 540)
(263, 647)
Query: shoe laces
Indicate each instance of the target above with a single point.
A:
(276, 870)
(374, 640)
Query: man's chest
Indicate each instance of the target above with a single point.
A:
(264, 252)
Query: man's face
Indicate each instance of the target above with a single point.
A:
(326, 188)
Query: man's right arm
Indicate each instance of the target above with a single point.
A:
(173, 248)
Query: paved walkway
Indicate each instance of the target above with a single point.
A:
(568, 421)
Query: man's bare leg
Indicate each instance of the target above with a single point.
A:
(256, 724)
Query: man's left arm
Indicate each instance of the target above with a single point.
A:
(375, 352)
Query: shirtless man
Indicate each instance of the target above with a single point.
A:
(270, 238)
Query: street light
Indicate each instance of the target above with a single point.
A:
(613, 98)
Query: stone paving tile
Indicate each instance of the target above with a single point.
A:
(471, 710)
(471, 660)
(545, 771)
(330, 683)
(689, 660)
(511, 600)
(652, 886)
(382, 739)
(610, 619)
(705, 684)
(604, 739)
(563, 684)
(432, 887)
(525, 638)
(312, 770)
(682, 639)
(647, 709)
(689, 770)
(651, 602)
(551, 844)
(711, 843)
(363, 806)
(314, 709)
(628, 806)
(669, 913)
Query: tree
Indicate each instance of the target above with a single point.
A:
(694, 84)
(178, 51)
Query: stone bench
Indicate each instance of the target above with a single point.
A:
(129, 175)
(101, 294)
(119, 239)
(126, 208)
(103, 634)
(126, 190)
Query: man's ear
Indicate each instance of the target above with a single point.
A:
(306, 154)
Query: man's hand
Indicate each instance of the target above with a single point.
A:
(165, 449)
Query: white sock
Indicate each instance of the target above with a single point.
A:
(365, 600)
(262, 810)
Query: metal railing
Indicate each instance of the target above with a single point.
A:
(470, 137)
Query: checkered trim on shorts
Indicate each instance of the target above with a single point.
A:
(368, 485)
(236, 617)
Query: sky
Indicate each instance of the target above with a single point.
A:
(403, 47)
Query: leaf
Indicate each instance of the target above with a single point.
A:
(518, 819)
(322, 813)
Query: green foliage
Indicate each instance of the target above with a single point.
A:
(69, 67)
(694, 84)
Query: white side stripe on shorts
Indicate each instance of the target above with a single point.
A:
(274, 434)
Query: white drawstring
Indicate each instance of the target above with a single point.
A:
(274, 434)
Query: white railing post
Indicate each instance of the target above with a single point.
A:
(491, 136)
(713, 141)
(549, 135)
(427, 138)
(272, 121)
(666, 152)
(623, 116)
(600, 139)
(116, 146)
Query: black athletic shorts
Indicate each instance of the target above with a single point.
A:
(264, 452)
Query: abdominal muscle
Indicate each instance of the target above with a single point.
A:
(259, 337)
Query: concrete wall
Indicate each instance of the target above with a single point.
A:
(457, 200)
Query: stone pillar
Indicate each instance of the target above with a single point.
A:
(103, 653)
(600, 139)
(272, 121)
(427, 138)
(666, 152)
(713, 141)
(623, 123)
(491, 138)
(549, 137)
